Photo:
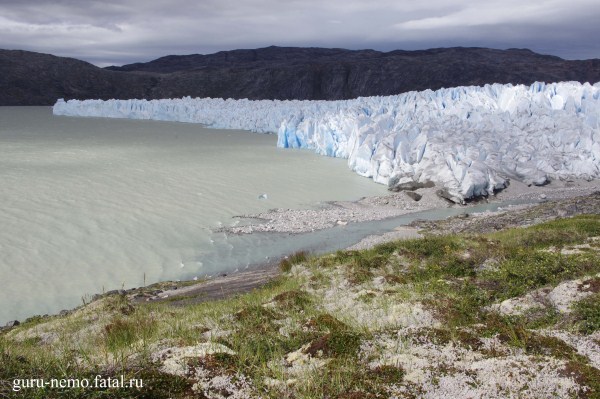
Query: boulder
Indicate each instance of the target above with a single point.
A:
(413, 195)
(406, 183)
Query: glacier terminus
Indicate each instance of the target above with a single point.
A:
(469, 141)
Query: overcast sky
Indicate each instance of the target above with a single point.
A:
(116, 32)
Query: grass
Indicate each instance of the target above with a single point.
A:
(111, 337)
(285, 265)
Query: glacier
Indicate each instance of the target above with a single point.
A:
(469, 141)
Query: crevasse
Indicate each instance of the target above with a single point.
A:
(468, 140)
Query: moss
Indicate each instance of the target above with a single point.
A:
(518, 268)
(360, 265)
(328, 322)
(358, 275)
(587, 314)
(335, 344)
(444, 336)
(349, 380)
(360, 260)
(354, 395)
(431, 247)
(394, 279)
(513, 331)
(457, 304)
(217, 363)
(549, 346)
(586, 376)
(256, 318)
(295, 299)
(525, 270)
(386, 374)
(541, 317)
(557, 233)
(591, 285)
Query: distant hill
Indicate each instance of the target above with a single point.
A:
(28, 78)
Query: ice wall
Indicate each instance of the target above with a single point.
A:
(468, 140)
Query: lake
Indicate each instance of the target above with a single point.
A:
(91, 204)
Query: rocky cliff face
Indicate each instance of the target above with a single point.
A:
(279, 73)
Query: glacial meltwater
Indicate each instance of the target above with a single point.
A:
(90, 205)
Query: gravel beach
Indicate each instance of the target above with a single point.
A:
(393, 205)
(558, 199)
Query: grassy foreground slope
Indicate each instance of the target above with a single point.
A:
(514, 313)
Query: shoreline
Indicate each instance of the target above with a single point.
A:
(334, 213)
(479, 305)
(340, 213)
(275, 219)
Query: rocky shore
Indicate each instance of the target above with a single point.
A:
(558, 203)
(395, 204)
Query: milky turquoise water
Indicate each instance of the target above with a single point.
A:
(89, 204)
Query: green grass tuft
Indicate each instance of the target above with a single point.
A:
(587, 314)
(285, 265)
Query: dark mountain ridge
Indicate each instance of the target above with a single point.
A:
(28, 78)
(285, 56)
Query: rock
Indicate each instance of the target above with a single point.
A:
(571, 209)
(444, 194)
(48, 338)
(406, 183)
(566, 294)
(415, 196)
(64, 312)
(13, 323)
(488, 265)
(541, 181)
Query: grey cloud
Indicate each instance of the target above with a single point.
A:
(117, 32)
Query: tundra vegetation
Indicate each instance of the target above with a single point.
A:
(513, 313)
